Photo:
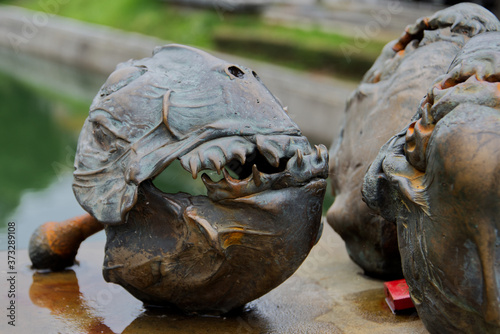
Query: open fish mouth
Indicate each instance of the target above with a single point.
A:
(212, 254)
(254, 164)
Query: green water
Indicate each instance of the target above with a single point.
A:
(39, 125)
(32, 143)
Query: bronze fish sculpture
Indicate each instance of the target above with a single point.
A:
(200, 254)
(382, 105)
(438, 180)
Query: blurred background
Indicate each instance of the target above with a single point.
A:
(55, 54)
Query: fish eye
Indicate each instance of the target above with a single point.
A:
(236, 71)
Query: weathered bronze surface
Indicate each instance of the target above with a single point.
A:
(438, 180)
(200, 254)
(382, 105)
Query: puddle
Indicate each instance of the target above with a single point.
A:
(371, 305)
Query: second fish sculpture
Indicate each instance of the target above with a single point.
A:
(438, 180)
(200, 254)
(381, 106)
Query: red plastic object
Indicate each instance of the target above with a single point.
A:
(397, 295)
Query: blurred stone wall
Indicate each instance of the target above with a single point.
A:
(316, 103)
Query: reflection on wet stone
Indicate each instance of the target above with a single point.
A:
(325, 295)
(60, 293)
(371, 305)
(292, 308)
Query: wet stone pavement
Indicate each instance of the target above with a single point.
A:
(328, 294)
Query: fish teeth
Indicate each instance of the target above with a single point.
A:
(234, 152)
(218, 165)
(298, 161)
(322, 153)
(300, 143)
(272, 148)
(207, 180)
(194, 166)
(228, 178)
(272, 155)
(275, 147)
(318, 153)
(256, 176)
(300, 158)
(316, 162)
(238, 149)
(212, 158)
(216, 154)
(240, 155)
